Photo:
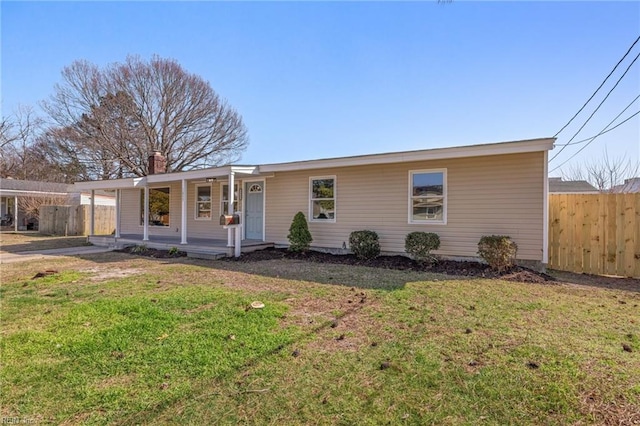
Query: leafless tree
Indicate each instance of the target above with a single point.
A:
(18, 135)
(604, 173)
(30, 205)
(112, 119)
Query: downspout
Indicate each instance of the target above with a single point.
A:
(145, 231)
(545, 212)
(183, 235)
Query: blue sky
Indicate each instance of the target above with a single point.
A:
(328, 79)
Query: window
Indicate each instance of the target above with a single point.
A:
(159, 200)
(427, 196)
(203, 202)
(322, 199)
(224, 201)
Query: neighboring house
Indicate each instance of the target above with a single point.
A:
(22, 193)
(460, 193)
(558, 186)
(629, 186)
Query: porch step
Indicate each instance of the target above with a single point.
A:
(205, 254)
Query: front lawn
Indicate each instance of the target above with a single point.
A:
(127, 340)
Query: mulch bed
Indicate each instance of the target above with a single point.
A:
(449, 267)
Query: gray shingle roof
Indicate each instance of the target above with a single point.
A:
(557, 185)
(33, 186)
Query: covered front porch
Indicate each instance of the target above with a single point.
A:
(150, 208)
(201, 248)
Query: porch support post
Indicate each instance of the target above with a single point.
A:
(118, 194)
(545, 211)
(145, 228)
(92, 214)
(15, 213)
(231, 199)
(183, 228)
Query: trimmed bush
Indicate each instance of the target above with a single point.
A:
(420, 244)
(499, 251)
(364, 244)
(299, 236)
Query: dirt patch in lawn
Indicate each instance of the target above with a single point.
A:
(102, 274)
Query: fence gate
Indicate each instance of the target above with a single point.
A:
(595, 233)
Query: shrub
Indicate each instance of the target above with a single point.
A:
(173, 251)
(299, 236)
(140, 249)
(499, 251)
(420, 244)
(364, 244)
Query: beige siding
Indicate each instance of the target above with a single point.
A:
(130, 221)
(486, 195)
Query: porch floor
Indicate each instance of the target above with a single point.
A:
(205, 248)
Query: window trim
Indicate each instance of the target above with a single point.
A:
(195, 212)
(142, 207)
(335, 199)
(445, 202)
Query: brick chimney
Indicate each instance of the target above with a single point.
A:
(157, 164)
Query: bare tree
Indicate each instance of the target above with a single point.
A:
(605, 173)
(30, 205)
(19, 135)
(112, 119)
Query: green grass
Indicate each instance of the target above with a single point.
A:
(173, 342)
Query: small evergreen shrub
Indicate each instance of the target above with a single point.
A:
(173, 251)
(420, 244)
(299, 236)
(364, 244)
(499, 251)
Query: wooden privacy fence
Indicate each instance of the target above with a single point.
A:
(595, 233)
(76, 220)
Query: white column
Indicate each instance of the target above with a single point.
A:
(230, 201)
(15, 213)
(92, 215)
(183, 235)
(118, 194)
(545, 211)
(145, 232)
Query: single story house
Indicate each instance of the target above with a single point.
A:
(460, 193)
(559, 186)
(18, 196)
(629, 186)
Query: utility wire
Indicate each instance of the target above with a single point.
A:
(599, 87)
(606, 131)
(598, 107)
(594, 138)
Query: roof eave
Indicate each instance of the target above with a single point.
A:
(533, 145)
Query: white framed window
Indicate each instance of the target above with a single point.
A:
(159, 206)
(203, 202)
(322, 199)
(428, 196)
(224, 198)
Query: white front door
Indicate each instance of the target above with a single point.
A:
(254, 210)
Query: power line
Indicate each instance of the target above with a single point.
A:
(606, 131)
(599, 87)
(594, 138)
(598, 107)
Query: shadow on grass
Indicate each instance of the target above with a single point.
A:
(16, 243)
(357, 276)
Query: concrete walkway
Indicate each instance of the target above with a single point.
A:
(24, 256)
